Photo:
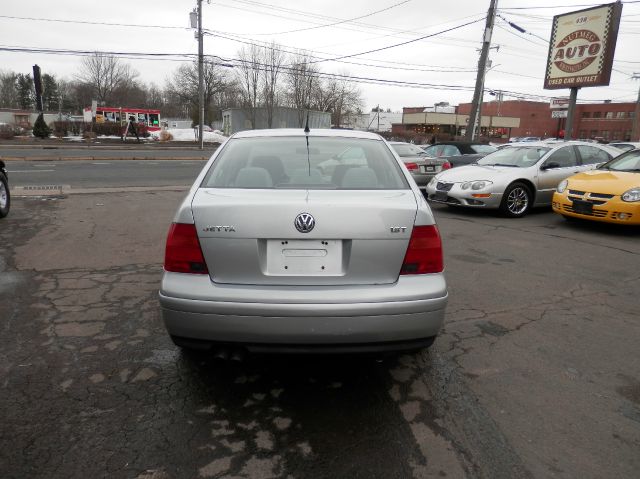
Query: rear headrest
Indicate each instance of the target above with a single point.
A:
(253, 177)
(360, 177)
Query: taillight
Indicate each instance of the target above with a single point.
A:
(183, 253)
(424, 253)
(411, 166)
(446, 165)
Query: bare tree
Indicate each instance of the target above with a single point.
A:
(181, 91)
(302, 80)
(272, 69)
(106, 74)
(249, 74)
(347, 98)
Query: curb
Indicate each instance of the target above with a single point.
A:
(64, 190)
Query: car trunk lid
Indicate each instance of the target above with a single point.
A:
(248, 236)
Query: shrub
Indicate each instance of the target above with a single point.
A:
(7, 132)
(64, 128)
(166, 136)
(40, 128)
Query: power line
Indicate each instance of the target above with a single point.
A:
(349, 20)
(87, 22)
(402, 43)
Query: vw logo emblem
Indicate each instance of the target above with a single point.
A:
(304, 222)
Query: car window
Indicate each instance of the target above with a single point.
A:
(442, 150)
(407, 149)
(564, 157)
(591, 155)
(483, 148)
(629, 161)
(516, 156)
(286, 162)
(622, 146)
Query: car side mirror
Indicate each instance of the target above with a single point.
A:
(550, 165)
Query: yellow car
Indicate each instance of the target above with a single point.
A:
(610, 193)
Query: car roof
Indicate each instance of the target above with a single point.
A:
(314, 132)
(459, 142)
(632, 143)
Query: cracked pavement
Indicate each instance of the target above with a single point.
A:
(536, 374)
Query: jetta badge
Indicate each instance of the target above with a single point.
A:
(304, 222)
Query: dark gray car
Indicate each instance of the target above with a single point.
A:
(5, 198)
(459, 153)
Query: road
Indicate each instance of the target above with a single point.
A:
(107, 152)
(536, 374)
(80, 174)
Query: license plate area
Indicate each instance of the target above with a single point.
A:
(304, 257)
(583, 207)
(441, 196)
(427, 169)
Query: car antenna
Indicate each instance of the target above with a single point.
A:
(306, 135)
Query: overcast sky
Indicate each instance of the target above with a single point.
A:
(444, 63)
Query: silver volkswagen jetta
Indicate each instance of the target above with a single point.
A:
(269, 253)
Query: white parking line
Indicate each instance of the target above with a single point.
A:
(30, 171)
(100, 163)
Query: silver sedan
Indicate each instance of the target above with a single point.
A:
(269, 252)
(421, 166)
(518, 177)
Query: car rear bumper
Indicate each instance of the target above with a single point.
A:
(327, 316)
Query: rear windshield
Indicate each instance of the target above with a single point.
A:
(286, 162)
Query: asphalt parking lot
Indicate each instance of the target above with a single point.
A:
(536, 374)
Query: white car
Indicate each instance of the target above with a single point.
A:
(518, 177)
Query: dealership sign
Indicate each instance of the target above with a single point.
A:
(582, 47)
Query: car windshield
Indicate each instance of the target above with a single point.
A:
(287, 162)
(516, 156)
(407, 149)
(483, 148)
(629, 161)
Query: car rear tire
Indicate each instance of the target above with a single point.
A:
(5, 197)
(516, 200)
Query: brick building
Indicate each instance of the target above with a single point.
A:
(607, 121)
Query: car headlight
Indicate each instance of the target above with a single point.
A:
(562, 186)
(631, 195)
(475, 185)
(433, 182)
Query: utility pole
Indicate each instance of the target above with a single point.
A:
(482, 65)
(200, 75)
(635, 132)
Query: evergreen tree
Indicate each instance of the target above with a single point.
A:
(40, 128)
(25, 91)
(50, 94)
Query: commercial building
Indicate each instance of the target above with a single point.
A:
(606, 120)
(239, 119)
(500, 120)
(425, 122)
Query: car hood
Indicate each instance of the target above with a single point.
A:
(478, 172)
(604, 181)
